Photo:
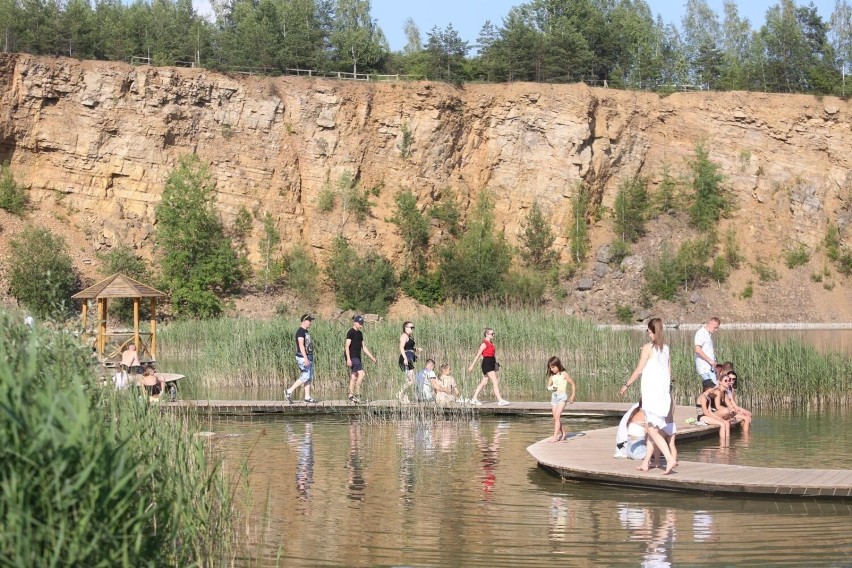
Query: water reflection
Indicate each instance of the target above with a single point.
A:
(427, 493)
(356, 484)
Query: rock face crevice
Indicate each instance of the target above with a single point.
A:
(103, 137)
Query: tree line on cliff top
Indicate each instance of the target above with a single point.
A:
(617, 41)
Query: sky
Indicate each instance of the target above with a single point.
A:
(467, 16)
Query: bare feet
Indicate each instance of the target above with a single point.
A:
(670, 469)
(642, 467)
(553, 439)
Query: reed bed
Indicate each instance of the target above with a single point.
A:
(241, 354)
(91, 477)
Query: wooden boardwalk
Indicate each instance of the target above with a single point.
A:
(344, 407)
(589, 457)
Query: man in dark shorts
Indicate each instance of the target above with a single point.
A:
(304, 359)
(352, 350)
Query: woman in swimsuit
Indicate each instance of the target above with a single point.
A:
(407, 358)
(707, 407)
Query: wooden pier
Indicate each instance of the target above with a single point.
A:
(590, 458)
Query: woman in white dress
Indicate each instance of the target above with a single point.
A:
(656, 371)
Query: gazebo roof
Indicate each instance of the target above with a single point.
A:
(118, 286)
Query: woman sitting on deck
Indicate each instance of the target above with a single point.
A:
(630, 436)
(730, 398)
(710, 410)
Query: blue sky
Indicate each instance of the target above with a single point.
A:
(467, 16)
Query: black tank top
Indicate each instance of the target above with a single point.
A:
(409, 345)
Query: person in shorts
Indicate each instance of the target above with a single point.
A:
(304, 359)
(352, 349)
(705, 354)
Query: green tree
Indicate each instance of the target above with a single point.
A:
(701, 33)
(361, 282)
(475, 266)
(273, 268)
(122, 260)
(199, 265)
(709, 197)
(41, 273)
(447, 51)
(446, 210)
(13, 197)
(841, 39)
(413, 227)
(578, 229)
(536, 240)
(631, 208)
(356, 37)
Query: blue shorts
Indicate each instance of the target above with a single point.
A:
(709, 376)
(307, 372)
(356, 365)
(557, 398)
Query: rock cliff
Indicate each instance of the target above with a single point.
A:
(95, 141)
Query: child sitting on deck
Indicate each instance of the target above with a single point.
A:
(445, 387)
(710, 410)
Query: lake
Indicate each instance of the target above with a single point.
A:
(328, 492)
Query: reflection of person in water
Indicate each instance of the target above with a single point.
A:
(654, 526)
(356, 484)
(562, 518)
(490, 455)
(305, 463)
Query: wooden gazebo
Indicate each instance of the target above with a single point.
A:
(121, 286)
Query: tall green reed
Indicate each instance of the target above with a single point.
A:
(90, 477)
(259, 355)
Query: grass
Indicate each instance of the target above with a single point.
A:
(91, 477)
(258, 357)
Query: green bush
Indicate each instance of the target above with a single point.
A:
(356, 201)
(536, 240)
(748, 291)
(89, 477)
(624, 314)
(797, 256)
(836, 252)
(446, 210)
(474, 266)
(709, 199)
(199, 265)
(686, 268)
(326, 200)
(122, 260)
(619, 250)
(764, 271)
(631, 208)
(720, 270)
(666, 196)
(427, 289)
(41, 273)
(302, 273)
(523, 287)
(732, 250)
(13, 198)
(406, 142)
(365, 283)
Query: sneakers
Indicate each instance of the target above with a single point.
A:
(289, 396)
(354, 399)
(503, 402)
(311, 400)
(475, 401)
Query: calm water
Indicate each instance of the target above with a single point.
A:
(448, 493)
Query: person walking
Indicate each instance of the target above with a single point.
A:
(704, 353)
(557, 381)
(352, 349)
(407, 358)
(304, 359)
(489, 368)
(656, 371)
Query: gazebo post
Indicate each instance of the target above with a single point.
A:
(100, 316)
(136, 323)
(85, 314)
(154, 328)
(104, 325)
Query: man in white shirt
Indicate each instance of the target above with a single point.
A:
(705, 355)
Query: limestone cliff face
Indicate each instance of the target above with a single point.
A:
(99, 139)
